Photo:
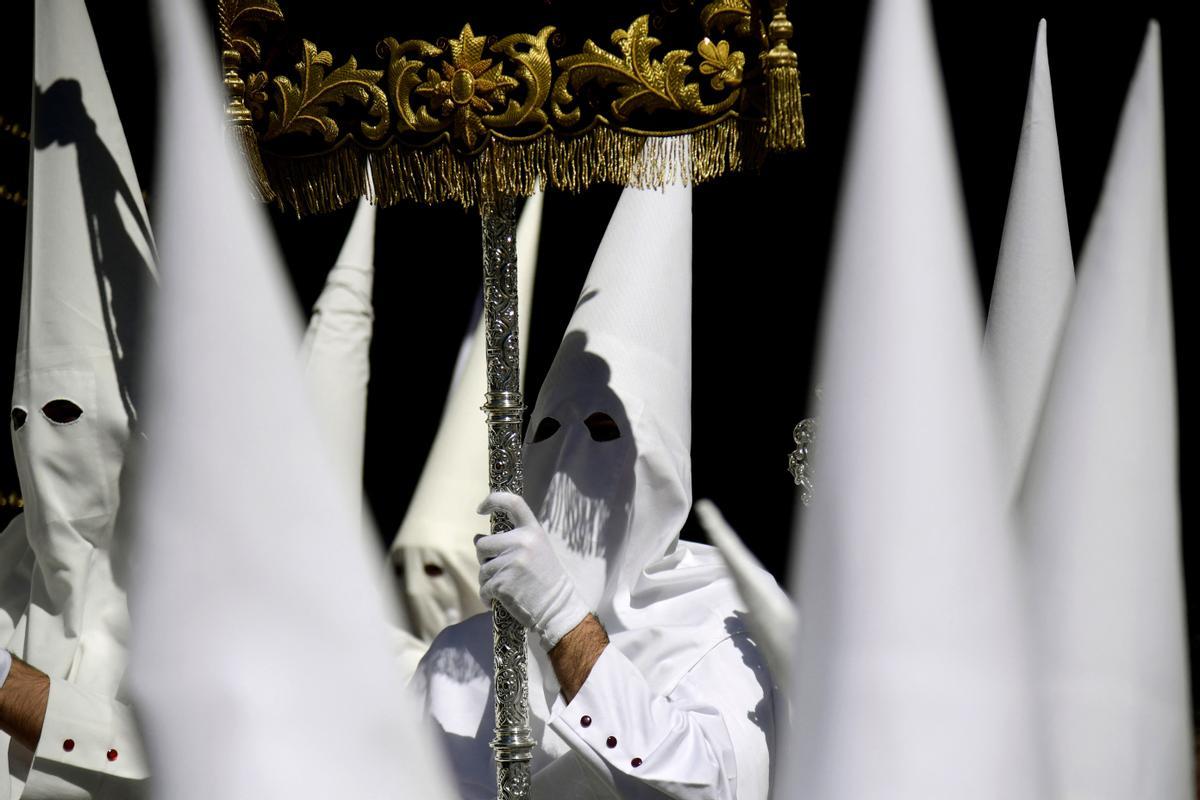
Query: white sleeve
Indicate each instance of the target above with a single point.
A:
(709, 739)
(89, 749)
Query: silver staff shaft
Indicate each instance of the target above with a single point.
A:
(513, 741)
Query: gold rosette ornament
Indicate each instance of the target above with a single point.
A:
(467, 87)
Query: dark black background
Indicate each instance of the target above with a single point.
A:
(760, 242)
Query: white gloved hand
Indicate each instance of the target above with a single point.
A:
(519, 568)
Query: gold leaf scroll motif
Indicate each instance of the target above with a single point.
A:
(305, 108)
(642, 83)
(256, 93)
(403, 76)
(533, 70)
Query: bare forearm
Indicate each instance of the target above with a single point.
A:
(576, 653)
(23, 700)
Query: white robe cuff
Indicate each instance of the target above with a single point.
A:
(89, 749)
(619, 725)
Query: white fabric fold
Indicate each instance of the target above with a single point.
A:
(771, 615)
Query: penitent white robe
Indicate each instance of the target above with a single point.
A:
(680, 703)
(89, 746)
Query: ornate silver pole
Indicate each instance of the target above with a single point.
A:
(513, 740)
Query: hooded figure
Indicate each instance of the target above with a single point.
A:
(679, 701)
(88, 260)
(433, 547)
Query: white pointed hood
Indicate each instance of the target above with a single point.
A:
(435, 544)
(911, 663)
(1101, 500)
(88, 260)
(1034, 277)
(260, 619)
(337, 347)
(624, 370)
(607, 461)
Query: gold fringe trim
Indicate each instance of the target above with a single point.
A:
(326, 182)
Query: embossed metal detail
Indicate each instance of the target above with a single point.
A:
(799, 463)
(513, 740)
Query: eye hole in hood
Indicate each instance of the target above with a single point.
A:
(18, 418)
(602, 427)
(545, 429)
(62, 411)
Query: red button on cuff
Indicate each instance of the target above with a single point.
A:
(68, 745)
(611, 741)
(637, 762)
(112, 755)
(585, 720)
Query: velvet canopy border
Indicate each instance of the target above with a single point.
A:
(474, 115)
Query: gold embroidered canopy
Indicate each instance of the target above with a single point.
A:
(681, 91)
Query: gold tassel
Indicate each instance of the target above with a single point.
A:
(246, 141)
(785, 118)
(241, 125)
